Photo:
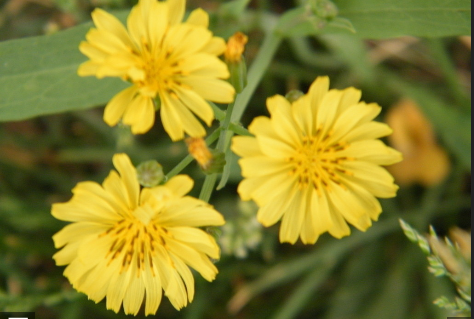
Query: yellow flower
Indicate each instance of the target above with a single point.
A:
(164, 58)
(315, 163)
(425, 161)
(129, 245)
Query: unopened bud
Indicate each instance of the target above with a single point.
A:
(235, 47)
(236, 62)
(150, 173)
(325, 9)
(210, 161)
(293, 95)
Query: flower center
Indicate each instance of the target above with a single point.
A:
(316, 161)
(160, 71)
(135, 242)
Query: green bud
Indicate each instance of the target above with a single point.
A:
(216, 164)
(235, 61)
(238, 74)
(325, 9)
(293, 95)
(150, 173)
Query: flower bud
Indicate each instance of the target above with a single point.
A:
(210, 161)
(150, 173)
(293, 95)
(235, 61)
(324, 9)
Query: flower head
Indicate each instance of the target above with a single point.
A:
(315, 164)
(163, 58)
(425, 161)
(129, 245)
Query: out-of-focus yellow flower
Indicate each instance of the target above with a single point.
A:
(315, 163)
(129, 245)
(164, 58)
(424, 161)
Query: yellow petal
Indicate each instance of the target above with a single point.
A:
(303, 116)
(262, 165)
(194, 259)
(197, 239)
(186, 275)
(190, 124)
(374, 151)
(339, 227)
(215, 46)
(278, 102)
(372, 177)
(350, 97)
(292, 220)
(88, 68)
(134, 295)
(116, 291)
(198, 17)
(176, 10)
(128, 174)
(180, 185)
(183, 40)
(245, 146)
(269, 142)
(172, 123)
(317, 91)
(272, 212)
(193, 217)
(77, 232)
(153, 288)
(92, 52)
(327, 114)
(196, 104)
(140, 114)
(106, 41)
(157, 24)
(211, 89)
(116, 107)
(370, 130)
(204, 64)
(107, 22)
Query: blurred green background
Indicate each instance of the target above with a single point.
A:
(422, 79)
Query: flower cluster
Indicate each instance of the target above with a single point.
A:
(314, 164)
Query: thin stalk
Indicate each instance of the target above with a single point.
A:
(236, 109)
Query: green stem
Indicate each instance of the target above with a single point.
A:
(257, 70)
(208, 187)
(238, 129)
(236, 109)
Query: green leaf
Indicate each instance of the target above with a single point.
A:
(377, 19)
(38, 76)
(301, 21)
(233, 8)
